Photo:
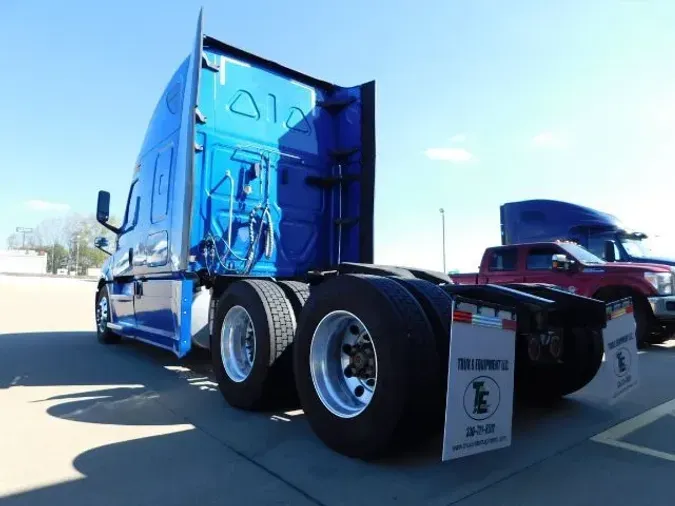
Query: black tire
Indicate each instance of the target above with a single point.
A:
(658, 338)
(437, 306)
(103, 333)
(582, 358)
(297, 293)
(271, 314)
(407, 375)
(644, 322)
(642, 312)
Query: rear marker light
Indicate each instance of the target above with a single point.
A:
(619, 312)
(483, 321)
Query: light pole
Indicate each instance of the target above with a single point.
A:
(443, 235)
(23, 231)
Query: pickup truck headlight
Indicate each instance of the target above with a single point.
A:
(661, 281)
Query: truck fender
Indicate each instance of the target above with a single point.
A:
(104, 278)
(622, 287)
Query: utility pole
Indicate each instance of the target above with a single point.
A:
(77, 255)
(443, 235)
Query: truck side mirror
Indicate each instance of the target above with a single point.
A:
(102, 243)
(103, 211)
(560, 262)
(610, 255)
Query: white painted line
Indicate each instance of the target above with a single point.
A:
(624, 428)
(640, 449)
(613, 435)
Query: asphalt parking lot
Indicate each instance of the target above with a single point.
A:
(87, 424)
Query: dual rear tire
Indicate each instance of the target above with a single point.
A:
(365, 356)
(360, 352)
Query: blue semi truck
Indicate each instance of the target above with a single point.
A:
(608, 238)
(601, 233)
(248, 231)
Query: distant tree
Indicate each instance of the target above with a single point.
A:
(81, 231)
(57, 258)
(13, 241)
(67, 240)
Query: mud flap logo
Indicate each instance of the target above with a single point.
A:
(621, 362)
(620, 370)
(479, 396)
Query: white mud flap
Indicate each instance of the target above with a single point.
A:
(619, 372)
(479, 397)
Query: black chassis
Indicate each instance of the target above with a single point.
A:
(539, 307)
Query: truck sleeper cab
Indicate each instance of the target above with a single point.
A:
(249, 231)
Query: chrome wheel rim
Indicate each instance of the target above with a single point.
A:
(237, 344)
(102, 312)
(343, 364)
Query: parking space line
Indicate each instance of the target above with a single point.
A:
(639, 449)
(631, 425)
(613, 435)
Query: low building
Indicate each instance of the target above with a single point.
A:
(23, 262)
(93, 272)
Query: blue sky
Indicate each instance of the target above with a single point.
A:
(478, 103)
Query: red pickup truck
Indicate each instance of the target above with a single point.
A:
(573, 268)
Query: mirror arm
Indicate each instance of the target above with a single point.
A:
(110, 227)
(104, 250)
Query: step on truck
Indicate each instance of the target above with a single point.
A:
(248, 231)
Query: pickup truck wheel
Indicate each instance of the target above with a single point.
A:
(658, 338)
(642, 312)
(643, 322)
(103, 333)
(666, 332)
(254, 324)
(582, 358)
(365, 365)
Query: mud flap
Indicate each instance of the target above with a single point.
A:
(619, 374)
(479, 396)
(184, 318)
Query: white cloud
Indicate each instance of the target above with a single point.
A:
(43, 205)
(548, 140)
(454, 155)
(458, 138)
